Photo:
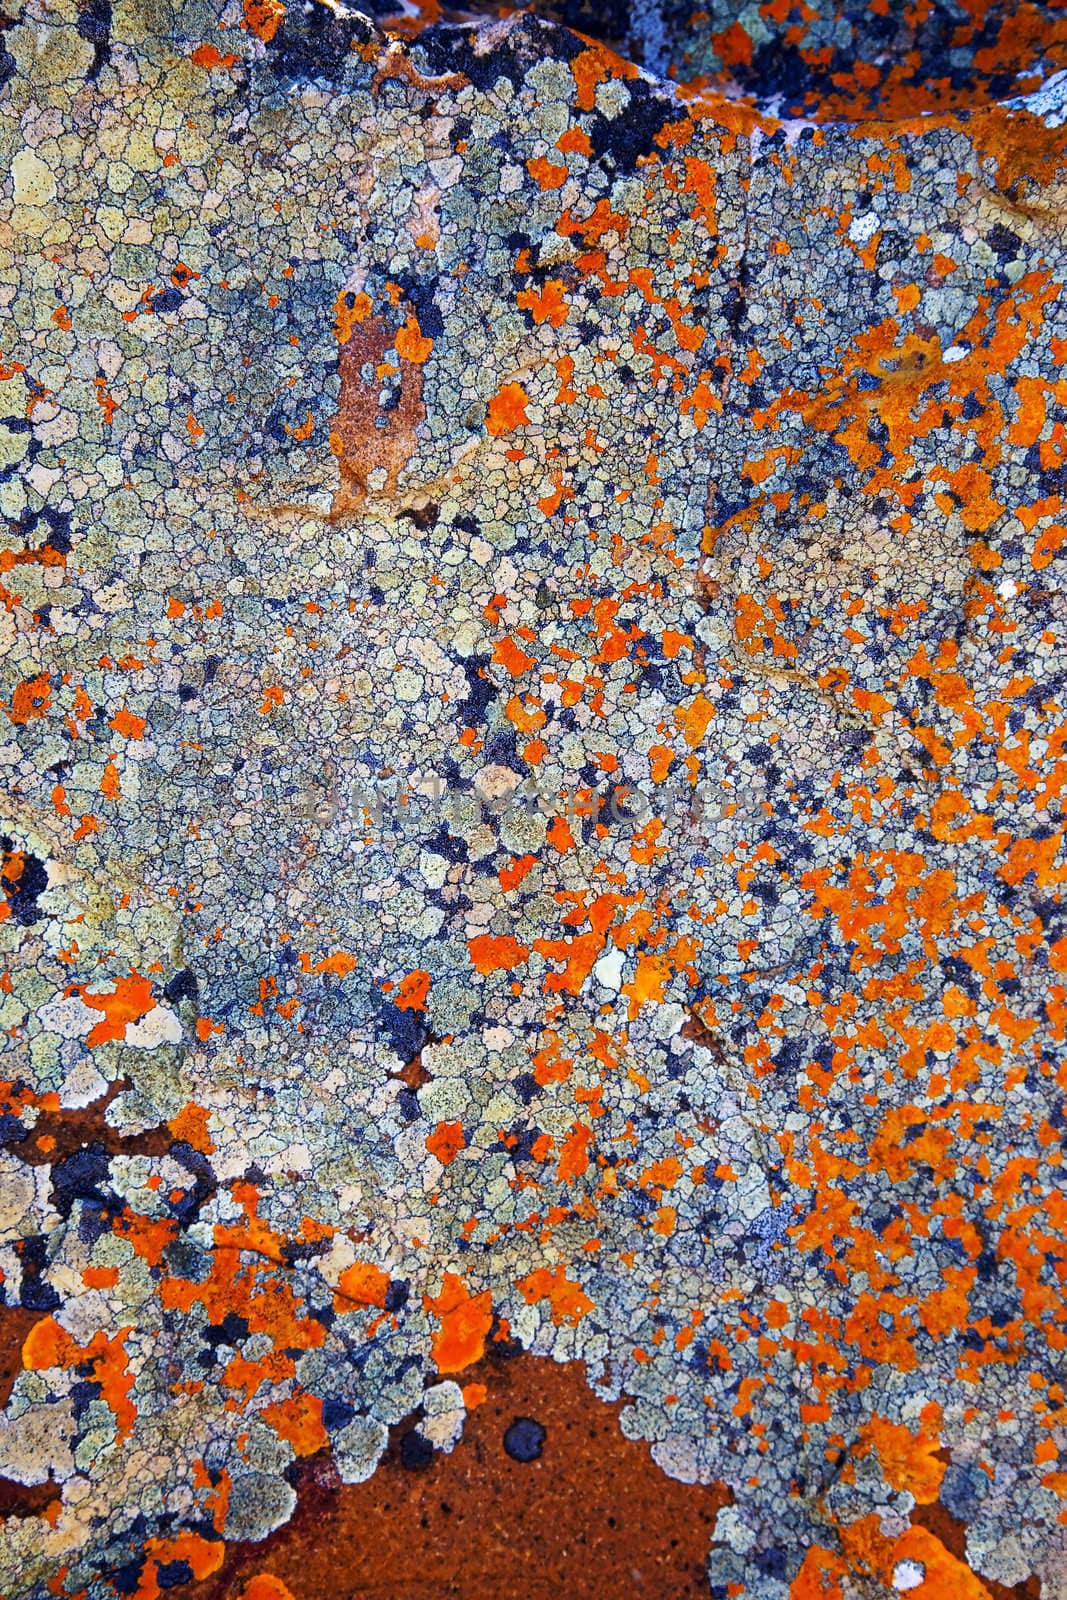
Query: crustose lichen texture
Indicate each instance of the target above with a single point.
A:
(532, 727)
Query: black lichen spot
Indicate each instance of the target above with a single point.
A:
(528, 41)
(35, 1294)
(524, 1439)
(169, 299)
(397, 1295)
(232, 1331)
(58, 537)
(81, 1176)
(12, 1130)
(337, 1413)
(423, 517)
(405, 1030)
(317, 42)
(183, 986)
(205, 1184)
(127, 1579)
(448, 845)
(94, 26)
(416, 1451)
(171, 1573)
(23, 878)
(620, 141)
(480, 691)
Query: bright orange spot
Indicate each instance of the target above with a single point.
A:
(130, 1000)
(574, 1154)
(568, 1300)
(412, 991)
(191, 1126)
(512, 656)
(547, 173)
(339, 965)
(494, 953)
(100, 1277)
(909, 1462)
(945, 1578)
(362, 1284)
(127, 725)
(31, 699)
(507, 410)
(545, 305)
(264, 17)
(110, 786)
(465, 1321)
(206, 56)
(446, 1141)
(298, 1421)
(265, 1587)
(412, 344)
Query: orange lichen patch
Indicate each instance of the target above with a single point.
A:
(265, 1587)
(496, 952)
(31, 698)
(545, 305)
(411, 991)
(465, 1320)
(248, 1277)
(574, 1153)
(149, 1237)
(579, 956)
(507, 410)
(918, 899)
(11, 872)
(127, 725)
(907, 367)
(512, 875)
(512, 657)
(662, 1174)
(191, 1126)
(594, 65)
(298, 1421)
(568, 1300)
(548, 174)
(338, 964)
(208, 57)
(50, 1345)
(818, 1576)
(361, 447)
(349, 310)
(944, 1576)
(412, 344)
(129, 1001)
(264, 17)
(908, 1461)
(100, 1277)
(110, 787)
(202, 1556)
(446, 1141)
(361, 1284)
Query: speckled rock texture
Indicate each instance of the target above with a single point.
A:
(532, 685)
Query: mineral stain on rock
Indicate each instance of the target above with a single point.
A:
(380, 404)
(589, 1509)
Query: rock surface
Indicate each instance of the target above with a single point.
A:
(532, 728)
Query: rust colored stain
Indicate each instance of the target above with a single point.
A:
(360, 444)
(15, 1324)
(592, 1517)
(61, 1133)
